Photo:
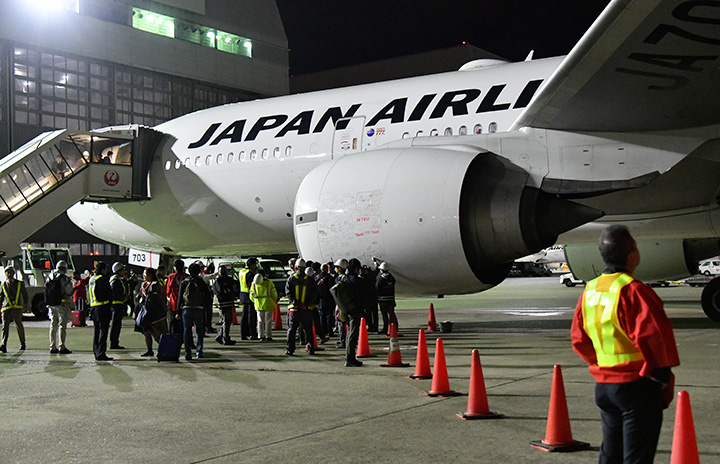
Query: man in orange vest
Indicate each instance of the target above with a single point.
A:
(621, 330)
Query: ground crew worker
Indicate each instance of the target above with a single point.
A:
(61, 313)
(100, 295)
(13, 301)
(118, 306)
(621, 330)
(302, 296)
(385, 286)
(248, 324)
(264, 297)
(353, 325)
(340, 268)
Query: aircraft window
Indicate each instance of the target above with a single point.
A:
(187, 162)
(208, 160)
(406, 135)
(265, 153)
(434, 133)
(419, 134)
(478, 129)
(198, 160)
(288, 151)
(219, 159)
(231, 157)
(492, 128)
(448, 131)
(168, 165)
(463, 130)
(276, 152)
(253, 154)
(178, 163)
(241, 156)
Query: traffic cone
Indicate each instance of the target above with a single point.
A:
(363, 349)
(440, 383)
(684, 446)
(477, 397)
(422, 363)
(234, 321)
(432, 323)
(394, 356)
(277, 317)
(558, 436)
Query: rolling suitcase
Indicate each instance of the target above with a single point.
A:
(169, 347)
(78, 319)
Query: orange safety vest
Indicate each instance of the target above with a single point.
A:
(599, 309)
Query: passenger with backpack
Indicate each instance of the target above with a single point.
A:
(193, 295)
(227, 290)
(59, 299)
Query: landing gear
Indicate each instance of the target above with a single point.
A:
(710, 299)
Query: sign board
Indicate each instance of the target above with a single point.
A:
(109, 181)
(143, 258)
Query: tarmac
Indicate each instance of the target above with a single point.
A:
(251, 403)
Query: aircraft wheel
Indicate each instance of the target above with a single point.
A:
(710, 299)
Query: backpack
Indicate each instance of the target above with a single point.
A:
(193, 295)
(53, 291)
(344, 298)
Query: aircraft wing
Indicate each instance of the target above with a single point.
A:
(643, 65)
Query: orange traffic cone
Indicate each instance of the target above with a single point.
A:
(394, 356)
(477, 398)
(432, 323)
(558, 436)
(422, 363)
(684, 446)
(315, 343)
(440, 383)
(234, 321)
(363, 349)
(277, 317)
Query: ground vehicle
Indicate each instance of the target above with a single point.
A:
(709, 267)
(525, 269)
(569, 280)
(32, 266)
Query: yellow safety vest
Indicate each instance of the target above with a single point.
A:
(243, 280)
(91, 292)
(11, 304)
(599, 308)
(262, 296)
(301, 291)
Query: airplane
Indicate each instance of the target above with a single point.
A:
(450, 177)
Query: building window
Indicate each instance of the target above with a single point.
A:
(168, 26)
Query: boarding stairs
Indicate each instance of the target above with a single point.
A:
(56, 169)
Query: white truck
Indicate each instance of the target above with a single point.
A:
(32, 266)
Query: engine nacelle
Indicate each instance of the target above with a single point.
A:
(446, 220)
(660, 259)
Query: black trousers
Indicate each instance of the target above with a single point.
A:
(351, 339)
(632, 416)
(299, 318)
(248, 323)
(118, 313)
(101, 326)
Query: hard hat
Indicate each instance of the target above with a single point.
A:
(341, 263)
(383, 266)
(117, 267)
(61, 265)
(309, 272)
(258, 279)
(300, 263)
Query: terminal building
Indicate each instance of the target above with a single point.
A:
(87, 64)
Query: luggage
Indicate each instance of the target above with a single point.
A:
(78, 319)
(169, 347)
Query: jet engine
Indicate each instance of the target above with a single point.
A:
(445, 219)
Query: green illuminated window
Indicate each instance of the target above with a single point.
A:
(153, 22)
(234, 44)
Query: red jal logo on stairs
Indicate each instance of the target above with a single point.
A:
(112, 178)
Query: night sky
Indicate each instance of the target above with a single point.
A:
(324, 34)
